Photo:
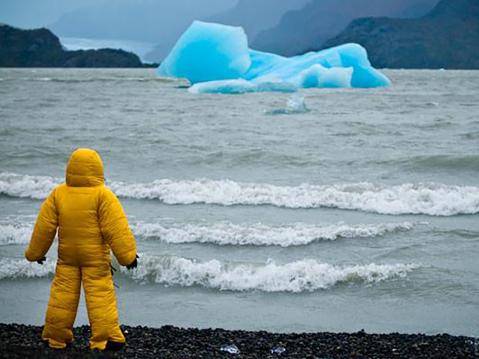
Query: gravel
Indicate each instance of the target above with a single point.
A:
(23, 341)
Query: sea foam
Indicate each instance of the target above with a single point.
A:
(227, 233)
(423, 198)
(297, 234)
(12, 268)
(17, 233)
(25, 186)
(305, 275)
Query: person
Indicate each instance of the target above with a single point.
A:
(90, 222)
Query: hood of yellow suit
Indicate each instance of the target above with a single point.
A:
(85, 169)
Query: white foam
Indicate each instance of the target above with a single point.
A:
(25, 186)
(15, 233)
(226, 233)
(11, 268)
(296, 234)
(301, 276)
(423, 198)
(305, 275)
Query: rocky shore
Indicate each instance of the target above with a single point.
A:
(42, 48)
(23, 341)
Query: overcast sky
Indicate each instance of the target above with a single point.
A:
(38, 13)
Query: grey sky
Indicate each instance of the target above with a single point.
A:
(37, 13)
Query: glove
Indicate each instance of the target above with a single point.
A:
(40, 261)
(133, 264)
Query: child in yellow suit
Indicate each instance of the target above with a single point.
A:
(90, 221)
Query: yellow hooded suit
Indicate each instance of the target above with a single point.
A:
(90, 221)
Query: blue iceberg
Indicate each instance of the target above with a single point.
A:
(216, 59)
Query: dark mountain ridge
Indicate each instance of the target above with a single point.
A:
(257, 15)
(41, 48)
(447, 37)
(320, 20)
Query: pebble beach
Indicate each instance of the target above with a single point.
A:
(23, 341)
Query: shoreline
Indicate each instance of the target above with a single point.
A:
(23, 341)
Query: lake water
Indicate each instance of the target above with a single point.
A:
(325, 210)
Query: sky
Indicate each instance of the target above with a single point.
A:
(43, 13)
(37, 13)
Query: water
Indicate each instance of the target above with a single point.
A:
(327, 210)
(75, 43)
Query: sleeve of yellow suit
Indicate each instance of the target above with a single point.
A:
(44, 231)
(115, 229)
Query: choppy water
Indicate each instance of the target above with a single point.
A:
(324, 210)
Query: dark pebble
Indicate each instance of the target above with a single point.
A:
(23, 341)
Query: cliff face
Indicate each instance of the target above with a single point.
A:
(447, 37)
(41, 48)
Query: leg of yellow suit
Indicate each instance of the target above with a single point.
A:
(62, 307)
(101, 306)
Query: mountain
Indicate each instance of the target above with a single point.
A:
(158, 22)
(320, 20)
(257, 15)
(447, 37)
(41, 48)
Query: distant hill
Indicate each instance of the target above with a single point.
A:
(321, 20)
(257, 15)
(41, 48)
(447, 37)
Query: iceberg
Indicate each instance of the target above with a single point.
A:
(215, 58)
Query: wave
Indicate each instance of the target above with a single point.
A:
(226, 233)
(17, 233)
(305, 275)
(423, 198)
(11, 268)
(99, 79)
(298, 234)
(25, 186)
(437, 162)
(465, 162)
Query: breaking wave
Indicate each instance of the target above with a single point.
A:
(25, 186)
(301, 276)
(11, 268)
(297, 234)
(226, 233)
(423, 198)
(17, 233)
(305, 275)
